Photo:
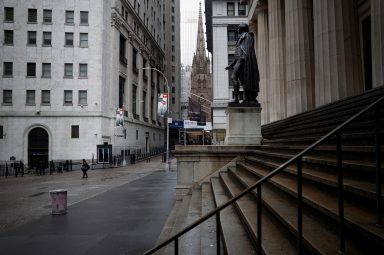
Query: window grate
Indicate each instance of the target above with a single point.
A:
(32, 15)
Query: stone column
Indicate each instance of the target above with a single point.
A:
(149, 91)
(337, 53)
(140, 87)
(277, 79)
(300, 56)
(377, 28)
(263, 59)
(128, 92)
(154, 76)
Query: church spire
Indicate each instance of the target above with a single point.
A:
(200, 59)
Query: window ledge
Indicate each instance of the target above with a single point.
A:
(68, 77)
(45, 104)
(69, 24)
(31, 76)
(46, 45)
(7, 76)
(84, 24)
(82, 105)
(68, 104)
(32, 22)
(8, 44)
(83, 77)
(9, 21)
(46, 77)
(31, 45)
(47, 23)
(7, 104)
(30, 104)
(68, 46)
(83, 46)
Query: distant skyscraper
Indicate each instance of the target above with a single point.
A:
(201, 80)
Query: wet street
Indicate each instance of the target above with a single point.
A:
(114, 211)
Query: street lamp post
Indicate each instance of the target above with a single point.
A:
(166, 81)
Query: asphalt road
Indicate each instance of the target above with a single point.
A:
(114, 211)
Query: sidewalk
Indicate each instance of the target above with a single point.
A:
(114, 211)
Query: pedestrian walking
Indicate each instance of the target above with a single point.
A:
(84, 168)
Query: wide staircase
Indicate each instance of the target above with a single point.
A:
(328, 201)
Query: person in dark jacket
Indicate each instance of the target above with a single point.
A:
(85, 168)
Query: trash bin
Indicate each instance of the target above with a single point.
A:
(164, 157)
(59, 201)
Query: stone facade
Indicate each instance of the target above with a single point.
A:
(317, 52)
(201, 80)
(116, 32)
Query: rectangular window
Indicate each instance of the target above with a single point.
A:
(83, 40)
(123, 59)
(7, 96)
(67, 97)
(134, 60)
(68, 39)
(69, 17)
(242, 9)
(75, 131)
(173, 100)
(8, 37)
(31, 37)
(8, 69)
(230, 9)
(47, 16)
(83, 18)
(31, 69)
(30, 100)
(45, 97)
(46, 70)
(1, 132)
(82, 97)
(173, 89)
(137, 134)
(121, 91)
(232, 35)
(8, 14)
(134, 90)
(68, 70)
(47, 39)
(83, 70)
(32, 15)
(144, 103)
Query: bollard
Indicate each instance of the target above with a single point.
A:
(59, 201)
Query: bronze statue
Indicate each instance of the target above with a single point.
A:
(245, 69)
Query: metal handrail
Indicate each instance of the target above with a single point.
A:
(298, 158)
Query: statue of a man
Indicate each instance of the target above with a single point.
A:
(245, 69)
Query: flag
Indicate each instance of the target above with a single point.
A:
(162, 104)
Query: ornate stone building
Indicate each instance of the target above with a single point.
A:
(67, 66)
(201, 81)
(311, 53)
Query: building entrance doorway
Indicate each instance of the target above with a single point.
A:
(38, 141)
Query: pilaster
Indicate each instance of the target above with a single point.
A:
(377, 28)
(277, 79)
(300, 57)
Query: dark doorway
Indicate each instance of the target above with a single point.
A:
(38, 141)
(367, 52)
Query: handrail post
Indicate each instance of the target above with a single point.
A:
(218, 233)
(379, 207)
(299, 207)
(340, 192)
(259, 249)
(176, 246)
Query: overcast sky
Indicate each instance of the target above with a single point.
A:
(189, 11)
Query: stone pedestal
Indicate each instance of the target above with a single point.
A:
(243, 126)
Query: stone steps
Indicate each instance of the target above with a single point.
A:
(235, 238)
(359, 219)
